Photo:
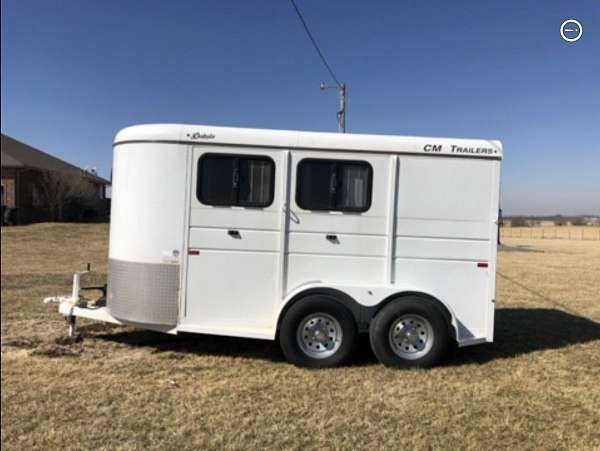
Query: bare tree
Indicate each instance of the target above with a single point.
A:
(62, 189)
(519, 221)
(559, 221)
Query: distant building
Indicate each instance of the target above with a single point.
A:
(592, 220)
(39, 187)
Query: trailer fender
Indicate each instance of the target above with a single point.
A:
(337, 295)
(364, 302)
(444, 308)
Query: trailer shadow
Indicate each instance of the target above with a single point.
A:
(519, 331)
(194, 344)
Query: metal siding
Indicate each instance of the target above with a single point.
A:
(143, 292)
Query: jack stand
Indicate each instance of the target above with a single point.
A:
(71, 328)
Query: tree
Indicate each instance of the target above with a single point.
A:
(559, 221)
(519, 221)
(60, 190)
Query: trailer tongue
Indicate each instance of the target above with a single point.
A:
(76, 305)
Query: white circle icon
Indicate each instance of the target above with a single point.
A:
(571, 30)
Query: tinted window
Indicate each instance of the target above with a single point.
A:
(216, 180)
(235, 180)
(316, 185)
(336, 185)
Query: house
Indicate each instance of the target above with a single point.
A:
(39, 187)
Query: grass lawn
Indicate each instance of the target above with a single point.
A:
(536, 387)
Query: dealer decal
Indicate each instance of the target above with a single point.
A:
(437, 148)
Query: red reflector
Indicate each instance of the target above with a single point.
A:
(194, 252)
(482, 264)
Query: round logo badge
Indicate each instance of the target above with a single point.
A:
(571, 30)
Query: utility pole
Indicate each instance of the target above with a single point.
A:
(341, 114)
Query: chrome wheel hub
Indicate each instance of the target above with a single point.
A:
(319, 335)
(411, 336)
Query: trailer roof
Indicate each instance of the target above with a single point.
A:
(287, 139)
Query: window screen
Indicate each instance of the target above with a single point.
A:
(235, 180)
(336, 185)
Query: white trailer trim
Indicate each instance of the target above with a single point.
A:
(346, 142)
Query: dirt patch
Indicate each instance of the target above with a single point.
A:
(58, 350)
(22, 342)
(519, 248)
(61, 346)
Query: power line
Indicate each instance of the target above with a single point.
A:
(314, 42)
(341, 114)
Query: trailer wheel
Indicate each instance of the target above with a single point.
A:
(411, 332)
(317, 332)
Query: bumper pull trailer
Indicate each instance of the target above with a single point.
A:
(302, 237)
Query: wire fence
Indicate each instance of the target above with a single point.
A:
(553, 233)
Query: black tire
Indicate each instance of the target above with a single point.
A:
(317, 306)
(392, 316)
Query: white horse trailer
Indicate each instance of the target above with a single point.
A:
(308, 238)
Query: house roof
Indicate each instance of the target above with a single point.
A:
(16, 154)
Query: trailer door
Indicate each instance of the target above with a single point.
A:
(234, 242)
(339, 224)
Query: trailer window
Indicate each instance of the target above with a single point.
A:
(334, 185)
(235, 180)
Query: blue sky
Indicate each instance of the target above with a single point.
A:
(75, 72)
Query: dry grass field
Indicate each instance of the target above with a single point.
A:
(536, 387)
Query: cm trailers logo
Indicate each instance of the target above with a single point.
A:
(432, 148)
(438, 148)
